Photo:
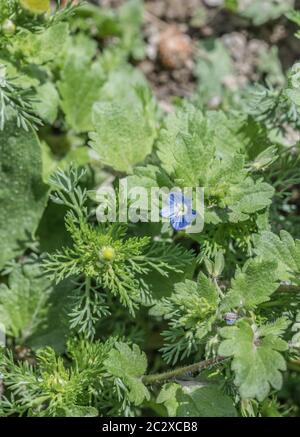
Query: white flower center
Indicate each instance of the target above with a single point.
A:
(180, 209)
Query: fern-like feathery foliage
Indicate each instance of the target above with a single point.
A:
(88, 383)
(18, 102)
(103, 260)
(277, 108)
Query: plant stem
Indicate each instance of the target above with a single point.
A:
(288, 289)
(192, 368)
(218, 288)
(294, 365)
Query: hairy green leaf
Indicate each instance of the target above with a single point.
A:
(129, 364)
(87, 79)
(45, 46)
(282, 249)
(23, 194)
(257, 361)
(123, 135)
(47, 101)
(252, 285)
(185, 147)
(195, 399)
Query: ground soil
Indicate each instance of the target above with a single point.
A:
(172, 31)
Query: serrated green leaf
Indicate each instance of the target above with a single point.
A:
(47, 101)
(282, 249)
(23, 194)
(81, 47)
(226, 139)
(43, 47)
(148, 177)
(129, 364)
(277, 328)
(114, 89)
(224, 176)
(167, 396)
(194, 399)
(207, 289)
(252, 285)
(256, 359)
(205, 401)
(87, 79)
(185, 146)
(195, 300)
(247, 198)
(123, 135)
(253, 136)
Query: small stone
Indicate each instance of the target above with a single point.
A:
(175, 48)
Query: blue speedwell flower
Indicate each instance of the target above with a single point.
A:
(178, 210)
(230, 318)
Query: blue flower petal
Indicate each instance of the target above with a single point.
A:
(179, 223)
(165, 212)
(178, 220)
(176, 197)
(190, 215)
(230, 322)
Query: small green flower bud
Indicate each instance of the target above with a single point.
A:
(107, 253)
(8, 27)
